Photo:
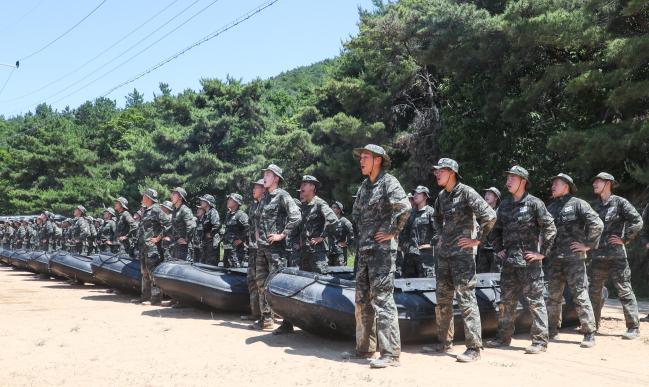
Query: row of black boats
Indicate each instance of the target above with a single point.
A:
(320, 304)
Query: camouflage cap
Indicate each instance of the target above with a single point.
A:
(422, 189)
(275, 169)
(376, 150)
(567, 179)
(606, 177)
(518, 171)
(122, 200)
(448, 164)
(310, 179)
(236, 197)
(259, 182)
(209, 199)
(151, 194)
(81, 208)
(90, 218)
(168, 205)
(339, 205)
(180, 191)
(110, 211)
(493, 190)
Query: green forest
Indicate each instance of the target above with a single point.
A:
(554, 85)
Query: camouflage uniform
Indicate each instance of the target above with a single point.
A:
(236, 229)
(92, 237)
(182, 227)
(486, 260)
(19, 237)
(154, 222)
(425, 233)
(276, 213)
(344, 233)
(318, 220)
(294, 250)
(211, 238)
(455, 216)
(8, 236)
(380, 206)
(576, 222)
(252, 259)
(80, 234)
(125, 227)
(407, 248)
(519, 227)
(107, 237)
(47, 235)
(610, 261)
(197, 240)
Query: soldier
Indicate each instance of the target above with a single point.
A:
(425, 234)
(644, 238)
(20, 235)
(58, 236)
(107, 236)
(66, 234)
(486, 260)
(276, 217)
(622, 224)
(293, 240)
(236, 232)
(151, 229)
(342, 237)
(9, 235)
(197, 238)
(457, 208)
(257, 194)
(211, 225)
(125, 229)
(32, 235)
(523, 235)
(167, 208)
(92, 238)
(578, 230)
(380, 212)
(407, 246)
(80, 230)
(182, 225)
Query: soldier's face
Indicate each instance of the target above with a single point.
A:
(176, 198)
(559, 188)
(598, 186)
(307, 190)
(270, 179)
(232, 205)
(442, 176)
(368, 162)
(419, 198)
(514, 182)
(204, 206)
(77, 213)
(107, 215)
(336, 210)
(117, 206)
(257, 191)
(146, 202)
(200, 212)
(491, 199)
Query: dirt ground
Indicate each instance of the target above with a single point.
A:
(52, 333)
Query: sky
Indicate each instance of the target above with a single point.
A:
(110, 46)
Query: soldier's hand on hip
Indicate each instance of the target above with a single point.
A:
(272, 238)
(531, 256)
(315, 241)
(425, 246)
(467, 243)
(122, 238)
(502, 254)
(578, 247)
(237, 242)
(383, 236)
(181, 241)
(615, 240)
(344, 244)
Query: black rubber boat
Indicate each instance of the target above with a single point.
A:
(72, 266)
(7, 257)
(20, 260)
(40, 262)
(117, 271)
(324, 305)
(3, 253)
(204, 285)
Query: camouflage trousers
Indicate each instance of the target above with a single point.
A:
(619, 272)
(294, 257)
(104, 248)
(573, 273)
(338, 257)
(234, 257)
(252, 284)
(420, 265)
(150, 291)
(270, 259)
(210, 254)
(315, 262)
(377, 320)
(526, 283)
(456, 278)
(487, 262)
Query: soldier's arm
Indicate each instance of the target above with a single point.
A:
(545, 222)
(496, 235)
(438, 216)
(215, 220)
(244, 222)
(400, 206)
(188, 223)
(349, 231)
(633, 221)
(293, 215)
(433, 228)
(331, 220)
(485, 215)
(84, 229)
(593, 224)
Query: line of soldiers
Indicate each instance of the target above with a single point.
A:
(395, 234)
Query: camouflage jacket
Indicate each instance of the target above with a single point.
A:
(107, 232)
(47, 234)
(211, 223)
(644, 236)
(524, 225)
(318, 220)
(81, 230)
(197, 239)
(343, 233)
(621, 219)
(381, 206)
(408, 235)
(576, 222)
(424, 226)
(236, 228)
(154, 223)
(125, 226)
(252, 221)
(455, 215)
(182, 224)
(276, 213)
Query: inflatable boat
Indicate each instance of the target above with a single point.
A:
(324, 305)
(117, 271)
(204, 285)
(72, 266)
(40, 262)
(20, 260)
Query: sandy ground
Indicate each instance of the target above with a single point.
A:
(52, 333)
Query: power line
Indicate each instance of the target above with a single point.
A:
(93, 58)
(65, 33)
(214, 34)
(11, 73)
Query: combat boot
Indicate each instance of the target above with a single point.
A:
(631, 334)
(535, 349)
(261, 324)
(470, 355)
(553, 335)
(357, 355)
(385, 361)
(437, 348)
(588, 341)
(498, 343)
(286, 327)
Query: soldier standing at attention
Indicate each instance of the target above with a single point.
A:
(211, 224)
(523, 235)
(341, 239)
(425, 234)
(486, 260)
(197, 238)
(578, 230)
(124, 229)
(457, 209)
(257, 193)
(276, 217)
(380, 211)
(622, 224)
(236, 232)
(107, 236)
(80, 230)
(47, 235)
(182, 225)
(151, 229)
